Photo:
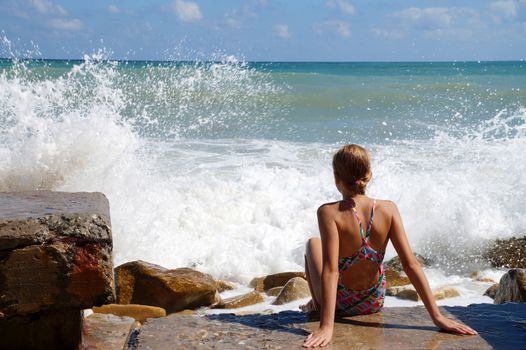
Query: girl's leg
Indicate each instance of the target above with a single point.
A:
(313, 268)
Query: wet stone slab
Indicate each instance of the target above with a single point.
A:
(500, 327)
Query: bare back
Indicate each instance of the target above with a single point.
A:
(364, 273)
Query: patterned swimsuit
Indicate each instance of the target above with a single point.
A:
(367, 301)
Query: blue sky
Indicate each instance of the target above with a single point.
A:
(261, 30)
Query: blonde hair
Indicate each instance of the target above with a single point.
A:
(352, 165)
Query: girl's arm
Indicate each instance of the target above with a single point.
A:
(329, 278)
(418, 279)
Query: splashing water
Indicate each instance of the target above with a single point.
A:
(203, 167)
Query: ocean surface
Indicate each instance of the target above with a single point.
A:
(221, 165)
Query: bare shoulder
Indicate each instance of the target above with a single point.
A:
(328, 209)
(386, 207)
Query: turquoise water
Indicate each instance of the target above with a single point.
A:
(321, 102)
(222, 165)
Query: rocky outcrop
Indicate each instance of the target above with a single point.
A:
(106, 332)
(296, 288)
(509, 253)
(512, 287)
(262, 284)
(243, 300)
(139, 282)
(58, 329)
(55, 260)
(393, 328)
(55, 252)
(138, 312)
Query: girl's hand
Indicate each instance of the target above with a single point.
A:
(320, 338)
(451, 326)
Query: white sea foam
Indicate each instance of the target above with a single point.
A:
(241, 207)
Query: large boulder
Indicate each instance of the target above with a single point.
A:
(55, 251)
(262, 284)
(139, 282)
(509, 253)
(512, 287)
(296, 288)
(55, 260)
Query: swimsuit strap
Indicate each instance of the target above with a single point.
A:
(369, 226)
(359, 222)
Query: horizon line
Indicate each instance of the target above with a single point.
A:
(261, 61)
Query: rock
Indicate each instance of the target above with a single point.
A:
(273, 292)
(225, 285)
(394, 271)
(509, 253)
(262, 284)
(393, 328)
(296, 288)
(55, 251)
(138, 312)
(106, 331)
(492, 290)
(139, 282)
(396, 265)
(247, 299)
(485, 279)
(393, 291)
(396, 278)
(56, 329)
(409, 293)
(445, 293)
(512, 287)
(477, 277)
(185, 312)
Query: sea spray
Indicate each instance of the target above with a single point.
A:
(207, 165)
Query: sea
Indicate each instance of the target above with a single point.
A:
(220, 165)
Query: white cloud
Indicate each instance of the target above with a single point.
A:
(434, 22)
(46, 7)
(282, 31)
(113, 9)
(343, 5)
(340, 27)
(426, 18)
(65, 24)
(508, 10)
(187, 11)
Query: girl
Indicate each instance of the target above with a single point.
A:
(344, 269)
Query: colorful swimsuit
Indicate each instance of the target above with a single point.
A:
(367, 301)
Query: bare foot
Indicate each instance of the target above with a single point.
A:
(309, 307)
